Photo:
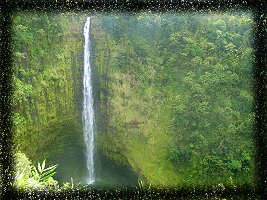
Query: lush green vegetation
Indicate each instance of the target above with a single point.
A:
(29, 176)
(47, 66)
(175, 91)
(40, 177)
(172, 93)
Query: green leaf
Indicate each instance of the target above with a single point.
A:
(39, 168)
(43, 165)
(48, 172)
(52, 167)
(46, 177)
(35, 174)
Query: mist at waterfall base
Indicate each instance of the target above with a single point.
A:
(108, 173)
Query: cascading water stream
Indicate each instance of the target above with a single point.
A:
(88, 111)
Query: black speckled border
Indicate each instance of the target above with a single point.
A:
(259, 10)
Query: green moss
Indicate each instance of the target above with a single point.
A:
(157, 87)
(48, 115)
(136, 132)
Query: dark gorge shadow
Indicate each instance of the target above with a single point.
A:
(109, 173)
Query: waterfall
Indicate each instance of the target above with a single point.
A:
(88, 111)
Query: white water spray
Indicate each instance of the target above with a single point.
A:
(88, 111)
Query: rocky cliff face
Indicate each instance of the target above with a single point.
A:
(48, 88)
(158, 108)
(132, 121)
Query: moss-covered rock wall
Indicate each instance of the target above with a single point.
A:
(174, 96)
(48, 68)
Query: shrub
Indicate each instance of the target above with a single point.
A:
(29, 176)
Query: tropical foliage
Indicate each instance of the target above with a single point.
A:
(177, 90)
(172, 93)
(28, 176)
(47, 64)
